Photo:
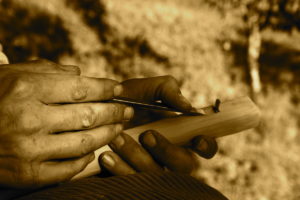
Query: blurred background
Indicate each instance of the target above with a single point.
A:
(215, 48)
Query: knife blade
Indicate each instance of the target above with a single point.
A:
(153, 106)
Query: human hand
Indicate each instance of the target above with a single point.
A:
(155, 154)
(163, 88)
(48, 128)
(131, 157)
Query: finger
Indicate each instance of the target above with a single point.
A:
(71, 69)
(164, 88)
(169, 92)
(205, 146)
(61, 171)
(173, 157)
(114, 164)
(131, 152)
(77, 144)
(70, 89)
(44, 66)
(70, 117)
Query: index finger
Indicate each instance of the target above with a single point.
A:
(54, 88)
(164, 88)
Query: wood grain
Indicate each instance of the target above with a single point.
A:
(234, 116)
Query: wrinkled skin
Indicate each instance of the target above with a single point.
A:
(52, 120)
(48, 128)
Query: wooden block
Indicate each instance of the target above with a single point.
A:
(234, 116)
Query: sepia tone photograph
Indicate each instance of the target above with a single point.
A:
(150, 99)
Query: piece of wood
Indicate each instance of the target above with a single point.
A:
(233, 116)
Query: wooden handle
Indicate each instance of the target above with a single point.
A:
(234, 116)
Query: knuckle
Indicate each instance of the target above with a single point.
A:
(86, 143)
(29, 121)
(20, 86)
(26, 148)
(19, 118)
(80, 90)
(88, 117)
(113, 131)
(28, 175)
(106, 87)
(116, 111)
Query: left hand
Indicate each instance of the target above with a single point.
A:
(156, 152)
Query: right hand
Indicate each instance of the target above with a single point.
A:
(48, 130)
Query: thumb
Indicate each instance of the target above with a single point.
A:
(205, 146)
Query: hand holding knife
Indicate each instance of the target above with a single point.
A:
(153, 106)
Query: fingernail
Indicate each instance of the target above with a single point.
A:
(128, 113)
(202, 145)
(107, 161)
(149, 139)
(119, 128)
(118, 90)
(118, 141)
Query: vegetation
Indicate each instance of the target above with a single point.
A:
(205, 47)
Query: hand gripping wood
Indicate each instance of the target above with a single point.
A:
(233, 116)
